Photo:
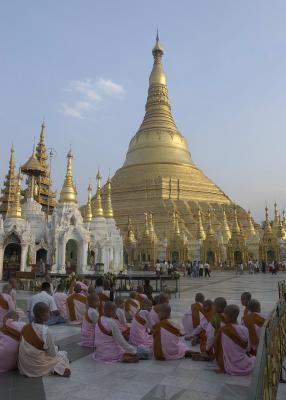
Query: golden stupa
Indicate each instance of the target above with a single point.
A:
(159, 175)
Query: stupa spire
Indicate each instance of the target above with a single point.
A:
(10, 185)
(68, 192)
(235, 227)
(108, 203)
(251, 228)
(210, 232)
(201, 235)
(267, 228)
(98, 210)
(225, 227)
(88, 210)
(15, 210)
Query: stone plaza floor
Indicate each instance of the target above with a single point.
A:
(149, 380)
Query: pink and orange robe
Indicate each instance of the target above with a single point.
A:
(166, 341)
(76, 305)
(154, 314)
(88, 326)
(132, 306)
(140, 329)
(6, 305)
(192, 318)
(231, 350)
(10, 335)
(110, 345)
(254, 323)
(38, 355)
(61, 303)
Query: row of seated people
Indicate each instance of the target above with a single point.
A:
(131, 330)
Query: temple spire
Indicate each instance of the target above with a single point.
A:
(210, 232)
(251, 228)
(108, 205)
(98, 210)
(15, 210)
(130, 236)
(88, 209)
(267, 228)
(235, 227)
(10, 185)
(68, 192)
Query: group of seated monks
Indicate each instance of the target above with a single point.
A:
(127, 330)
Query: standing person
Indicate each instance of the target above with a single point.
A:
(6, 302)
(201, 269)
(158, 267)
(148, 289)
(38, 355)
(241, 268)
(207, 269)
(45, 297)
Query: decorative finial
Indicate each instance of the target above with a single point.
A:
(68, 192)
(88, 210)
(235, 227)
(225, 227)
(157, 36)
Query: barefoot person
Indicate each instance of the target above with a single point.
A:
(38, 355)
(193, 315)
(141, 326)
(232, 345)
(166, 337)
(110, 345)
(89, 321)
(254, 320)
(10, 335)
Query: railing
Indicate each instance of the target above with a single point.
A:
(271, 352)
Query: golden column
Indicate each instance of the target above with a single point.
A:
(68, 192)
(108, 204)
(88, 210)
(98, 210)
(15, 211)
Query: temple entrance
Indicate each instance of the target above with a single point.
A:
(41, 256)
(270, 256)
(175, 257)
(71, 256)
(211, 258)
(12, 258)
(237, 257)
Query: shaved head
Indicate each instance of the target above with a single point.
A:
(163, 298)
(77, 288)
(207, 305)
(92, 299)
(165, 311)
(231, 313)
(254, 306)
(40, 309)
(199, 298)
(109, 309)
(147, 305)
(220, 304)
(11, 315)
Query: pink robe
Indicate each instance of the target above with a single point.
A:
(80, 309)
(88, 327)
(84, 287)
(187, 321)
(61, 303)
(110, 348)
(121, 320)
(139, 335)
(236, 361)
(172, 347)
(6, 299)
(9, 346)
(154, 316)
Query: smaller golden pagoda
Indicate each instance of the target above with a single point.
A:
(68, 192)
(97, 206)
(15, 210)
(10, 186)
(108, 212)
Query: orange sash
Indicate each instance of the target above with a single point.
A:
(140, 299)
(157, 346)
(130, 302)
(229, 331)
(12, 333)
(31, 337)
(101, 327)
(156, 308)
(4, 303)
(245, 311)
(196, 309)
(139, 319)
(102, 299)
(203, 336)
(70, 303)
(250, 320)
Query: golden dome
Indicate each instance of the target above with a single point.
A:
(32, 166)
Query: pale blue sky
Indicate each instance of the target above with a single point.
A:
(84, 65)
